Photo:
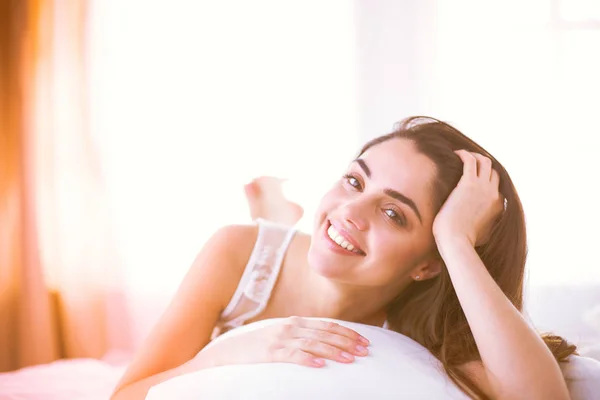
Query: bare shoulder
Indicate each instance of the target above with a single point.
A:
(246, 233)
(235, 242)
(224, 258)
(299, 245)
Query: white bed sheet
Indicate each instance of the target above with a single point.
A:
(81, 379)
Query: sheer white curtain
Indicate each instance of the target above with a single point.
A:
(192, 99)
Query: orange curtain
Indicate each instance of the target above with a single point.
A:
(27, 335)
(59, 283)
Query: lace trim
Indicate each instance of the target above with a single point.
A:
(260, 274)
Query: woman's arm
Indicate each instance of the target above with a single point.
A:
(139, 388)
(517, 363)
(186, 326)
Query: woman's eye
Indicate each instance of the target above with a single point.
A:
(352, 181)
(395, 216)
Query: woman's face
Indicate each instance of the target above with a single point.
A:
(374, 226)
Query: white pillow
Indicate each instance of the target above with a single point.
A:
(583, 377)
(397, 367)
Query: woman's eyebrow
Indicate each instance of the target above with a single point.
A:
(364, 166)
(391, 192)
(400, 197)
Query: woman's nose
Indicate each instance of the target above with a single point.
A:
(354, 214)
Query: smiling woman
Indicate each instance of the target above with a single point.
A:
(382, 192)
(423, 234)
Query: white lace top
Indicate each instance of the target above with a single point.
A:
(259, 277)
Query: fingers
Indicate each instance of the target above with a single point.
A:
(495, 179)
(333, 341)
(323, 350)
(476, 165)
(308, 342)
(484, 166)
(469, 163)
(297, 356)
(329, 327)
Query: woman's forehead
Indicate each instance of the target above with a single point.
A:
(398, 160)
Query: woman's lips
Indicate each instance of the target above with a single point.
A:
(337, 248)
(346, 235)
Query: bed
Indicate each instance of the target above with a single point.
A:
(91, 379)
(80, 379)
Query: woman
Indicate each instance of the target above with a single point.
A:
(424, 233)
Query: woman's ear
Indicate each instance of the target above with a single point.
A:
(429, 269)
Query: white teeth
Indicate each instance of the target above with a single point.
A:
(339, 239)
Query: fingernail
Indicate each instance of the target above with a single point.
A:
(347, 356)
(361, 349)
(318, 362)
(364, 340)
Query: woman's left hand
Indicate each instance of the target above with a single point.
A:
(474, 205)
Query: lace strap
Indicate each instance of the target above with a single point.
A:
(261, 273)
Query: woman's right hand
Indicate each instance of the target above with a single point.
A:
(294, 340)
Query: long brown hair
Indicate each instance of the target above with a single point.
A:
(429, 311)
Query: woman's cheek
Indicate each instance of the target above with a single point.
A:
(332, 198)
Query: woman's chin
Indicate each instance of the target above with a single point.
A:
(327, 267)
(327, 271)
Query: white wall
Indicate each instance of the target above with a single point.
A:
(394, 42)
